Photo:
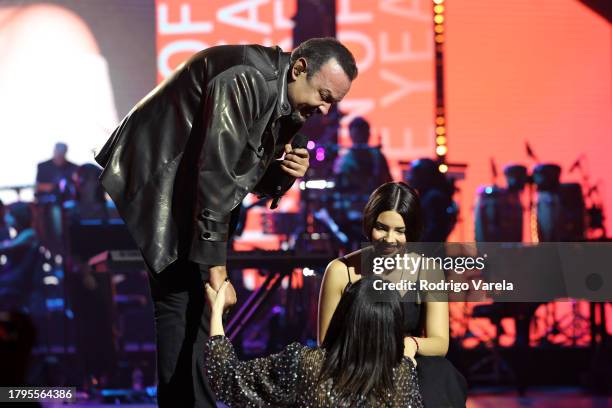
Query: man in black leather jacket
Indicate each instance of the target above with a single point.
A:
(182, 160)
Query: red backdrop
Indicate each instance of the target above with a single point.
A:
(527, 70)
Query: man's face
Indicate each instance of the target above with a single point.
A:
(59, 153)
(316, 95)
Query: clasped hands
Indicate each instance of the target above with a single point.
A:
(295, 163)
(219, 290)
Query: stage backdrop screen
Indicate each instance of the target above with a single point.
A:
(528, 71)
(392, 42)
(69, 70)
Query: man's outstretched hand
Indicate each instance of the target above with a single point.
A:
(218, 274)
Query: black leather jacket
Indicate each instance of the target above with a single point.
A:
(189, 152)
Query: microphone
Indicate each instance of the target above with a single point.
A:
(284, 180)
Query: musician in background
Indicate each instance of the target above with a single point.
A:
(357, 173)
(55, 174)
(363, 167)
(19, 269)
(4, 228)
(90, 199)
(436, 193)
(53, 186)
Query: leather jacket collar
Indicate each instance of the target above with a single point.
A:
(283, 106)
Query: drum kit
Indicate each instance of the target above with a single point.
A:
(557, 212)
(554, 212)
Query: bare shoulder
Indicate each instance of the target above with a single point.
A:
(336, 273)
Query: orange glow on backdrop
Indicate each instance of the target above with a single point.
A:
(525, 70)
(393, 44)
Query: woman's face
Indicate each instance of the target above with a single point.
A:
(389, 231)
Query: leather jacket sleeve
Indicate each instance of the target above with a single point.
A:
(233, 102)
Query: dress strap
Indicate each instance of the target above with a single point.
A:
(348, 273)
(418, 292)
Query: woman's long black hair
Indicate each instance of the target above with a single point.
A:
(395, 196)
(364, 342)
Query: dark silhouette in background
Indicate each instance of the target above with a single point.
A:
(358, 172)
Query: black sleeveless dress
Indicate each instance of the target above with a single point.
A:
(441, 384)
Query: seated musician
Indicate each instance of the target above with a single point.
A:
(21, 252)
(357, 173)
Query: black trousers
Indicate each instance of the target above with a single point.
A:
(181, 325)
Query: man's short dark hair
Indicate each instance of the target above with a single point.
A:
(317, 51)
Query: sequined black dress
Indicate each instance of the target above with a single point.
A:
(289, 379)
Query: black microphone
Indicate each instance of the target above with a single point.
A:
(284, 180)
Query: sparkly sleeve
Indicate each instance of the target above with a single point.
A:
(408, 392)
(267, 381)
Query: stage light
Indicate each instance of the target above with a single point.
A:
(51, 280)
(440, 120)
(310, 145)
(46, 267)
(443, 168)
(316, 184)
(3, 259)
(320, 156)
(58, 259)
(308, 272)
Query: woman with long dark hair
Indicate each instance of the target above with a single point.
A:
(392, 221)
(348, 370)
